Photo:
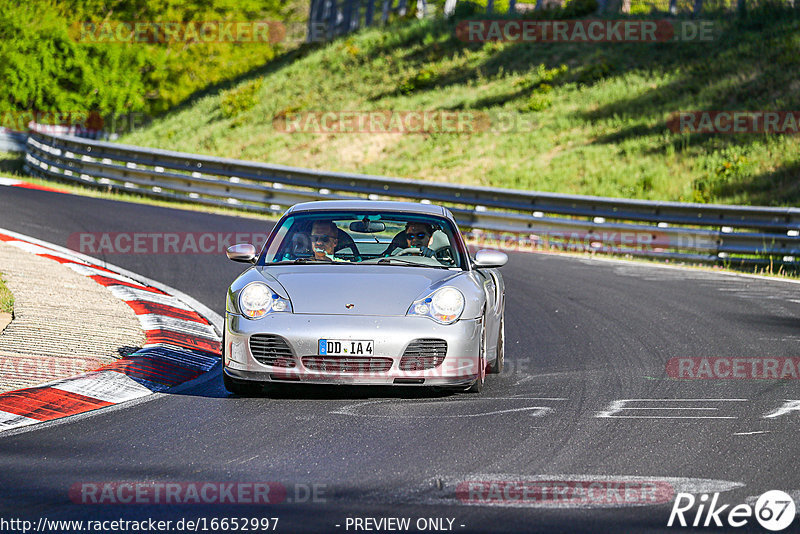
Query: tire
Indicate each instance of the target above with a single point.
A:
(477, 386)
(240, 387)
(497, 367)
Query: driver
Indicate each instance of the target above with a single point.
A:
(324, 238)
(418, 235)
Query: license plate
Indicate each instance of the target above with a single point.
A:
(345, 347)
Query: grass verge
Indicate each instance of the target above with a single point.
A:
(6, 298)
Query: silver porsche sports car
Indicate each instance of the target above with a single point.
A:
(364, 292)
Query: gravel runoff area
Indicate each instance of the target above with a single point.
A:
(64, 323)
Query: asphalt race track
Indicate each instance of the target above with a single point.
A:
(585, 397)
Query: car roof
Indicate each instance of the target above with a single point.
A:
(371, 205)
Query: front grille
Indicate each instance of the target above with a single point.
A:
(347, 364)
(423, 354)
(271, 350)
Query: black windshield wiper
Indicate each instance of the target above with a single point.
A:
(305, 260)
(387, 261)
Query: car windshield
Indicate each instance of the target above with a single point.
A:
(370, 238)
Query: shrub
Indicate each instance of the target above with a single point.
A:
(538, 102)
(600, 69)
(46, 67)
(579, 8)
(419, 80)
(240, 99)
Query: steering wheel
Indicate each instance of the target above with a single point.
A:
(442, 254)
(445, 255)
(410, 251)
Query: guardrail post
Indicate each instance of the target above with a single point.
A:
(422, 9)
(741, 6)
(368, 12)
(387, 4)
(333, 19)
(347, 16)
(314, 10)
(601, 6)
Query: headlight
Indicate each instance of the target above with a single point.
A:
(444, 305)
(257, 299)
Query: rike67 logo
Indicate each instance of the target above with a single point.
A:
(774, 510)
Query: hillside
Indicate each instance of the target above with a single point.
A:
(73, 57)
(590, 118)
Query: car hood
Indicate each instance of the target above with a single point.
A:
(372, 290)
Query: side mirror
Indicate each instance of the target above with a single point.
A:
(490, 258)
(244, 253)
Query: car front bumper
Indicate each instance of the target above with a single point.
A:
(391, 336)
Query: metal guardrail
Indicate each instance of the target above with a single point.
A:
(749, 235)
(12, 141)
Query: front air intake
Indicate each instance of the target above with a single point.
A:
(423, 354)
(269, 349)
(345, 364)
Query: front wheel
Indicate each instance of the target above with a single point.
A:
(499, 362)
(477, 386)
